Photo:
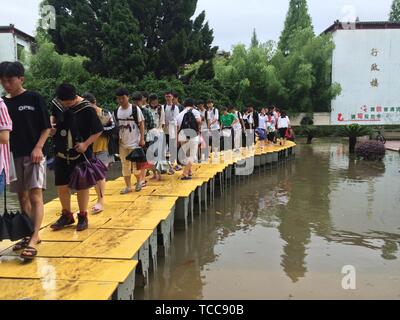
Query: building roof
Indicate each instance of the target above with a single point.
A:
(11, 29)
(363, 25)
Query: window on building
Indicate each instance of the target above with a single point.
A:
(20, 51)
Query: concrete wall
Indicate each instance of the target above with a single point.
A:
(7, 47)
(366, 63)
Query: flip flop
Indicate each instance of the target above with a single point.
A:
(32, 253)
(97, 209)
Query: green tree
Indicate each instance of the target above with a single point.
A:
(249, 76)
(169, 37)
(297, 18)
(79, 30)
(122, 43)
(305, 72)
(395, 12)
(254, 40)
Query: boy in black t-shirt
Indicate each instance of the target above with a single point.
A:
(31, 128)
(76, 128)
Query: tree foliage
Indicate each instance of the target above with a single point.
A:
(153, 36)
(395, 11)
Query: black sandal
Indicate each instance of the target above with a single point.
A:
(22, 244)
(32, 253)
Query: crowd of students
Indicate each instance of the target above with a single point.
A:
(82, 132)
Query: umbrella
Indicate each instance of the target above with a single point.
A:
(14, 225)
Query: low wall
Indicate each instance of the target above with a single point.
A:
(320, 119)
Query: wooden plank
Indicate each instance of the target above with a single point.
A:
(140, 219)
(68, 234)
(67, 269)
(18, 289)
(111, 244)
(48, 249)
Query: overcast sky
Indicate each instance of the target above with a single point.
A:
(234, 20)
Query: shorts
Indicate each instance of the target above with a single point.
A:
(29, 175)
(105, 158)
(271, 136)
(127, 167)
(188, 152)
(64, 169)
(282, 132)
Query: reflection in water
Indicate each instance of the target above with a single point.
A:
(288, 233)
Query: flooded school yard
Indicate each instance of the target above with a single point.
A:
(290, 232)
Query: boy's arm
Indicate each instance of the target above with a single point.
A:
(142, 143)
(37, 153)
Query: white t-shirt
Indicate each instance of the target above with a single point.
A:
(159, 120)
(204, 126)
(170, 119)
(179, 120)
(250, 119)
(213, 115)
(237, 126)
(283, 122)
(129, 132)
(262, 122)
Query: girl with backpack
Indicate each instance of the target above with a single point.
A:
(189, 122)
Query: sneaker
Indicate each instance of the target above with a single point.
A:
(66, 219)
(178, 168)
(83, 223)
(138, 187)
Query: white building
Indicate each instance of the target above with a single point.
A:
(366, 63)
(14, 43)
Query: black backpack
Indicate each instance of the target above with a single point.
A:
(189, 124)
(134, 116)
(113, 141)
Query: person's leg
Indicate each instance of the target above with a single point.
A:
(143, 173)
(100, 190)
(138, 175)
(83, 202)
(64, 194)
(62, 172)
(126, 169)
(37, 214)
(24, 203)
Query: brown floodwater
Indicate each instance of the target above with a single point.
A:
(288, 233)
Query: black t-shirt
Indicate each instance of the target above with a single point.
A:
(30, 117)
(80, 121)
